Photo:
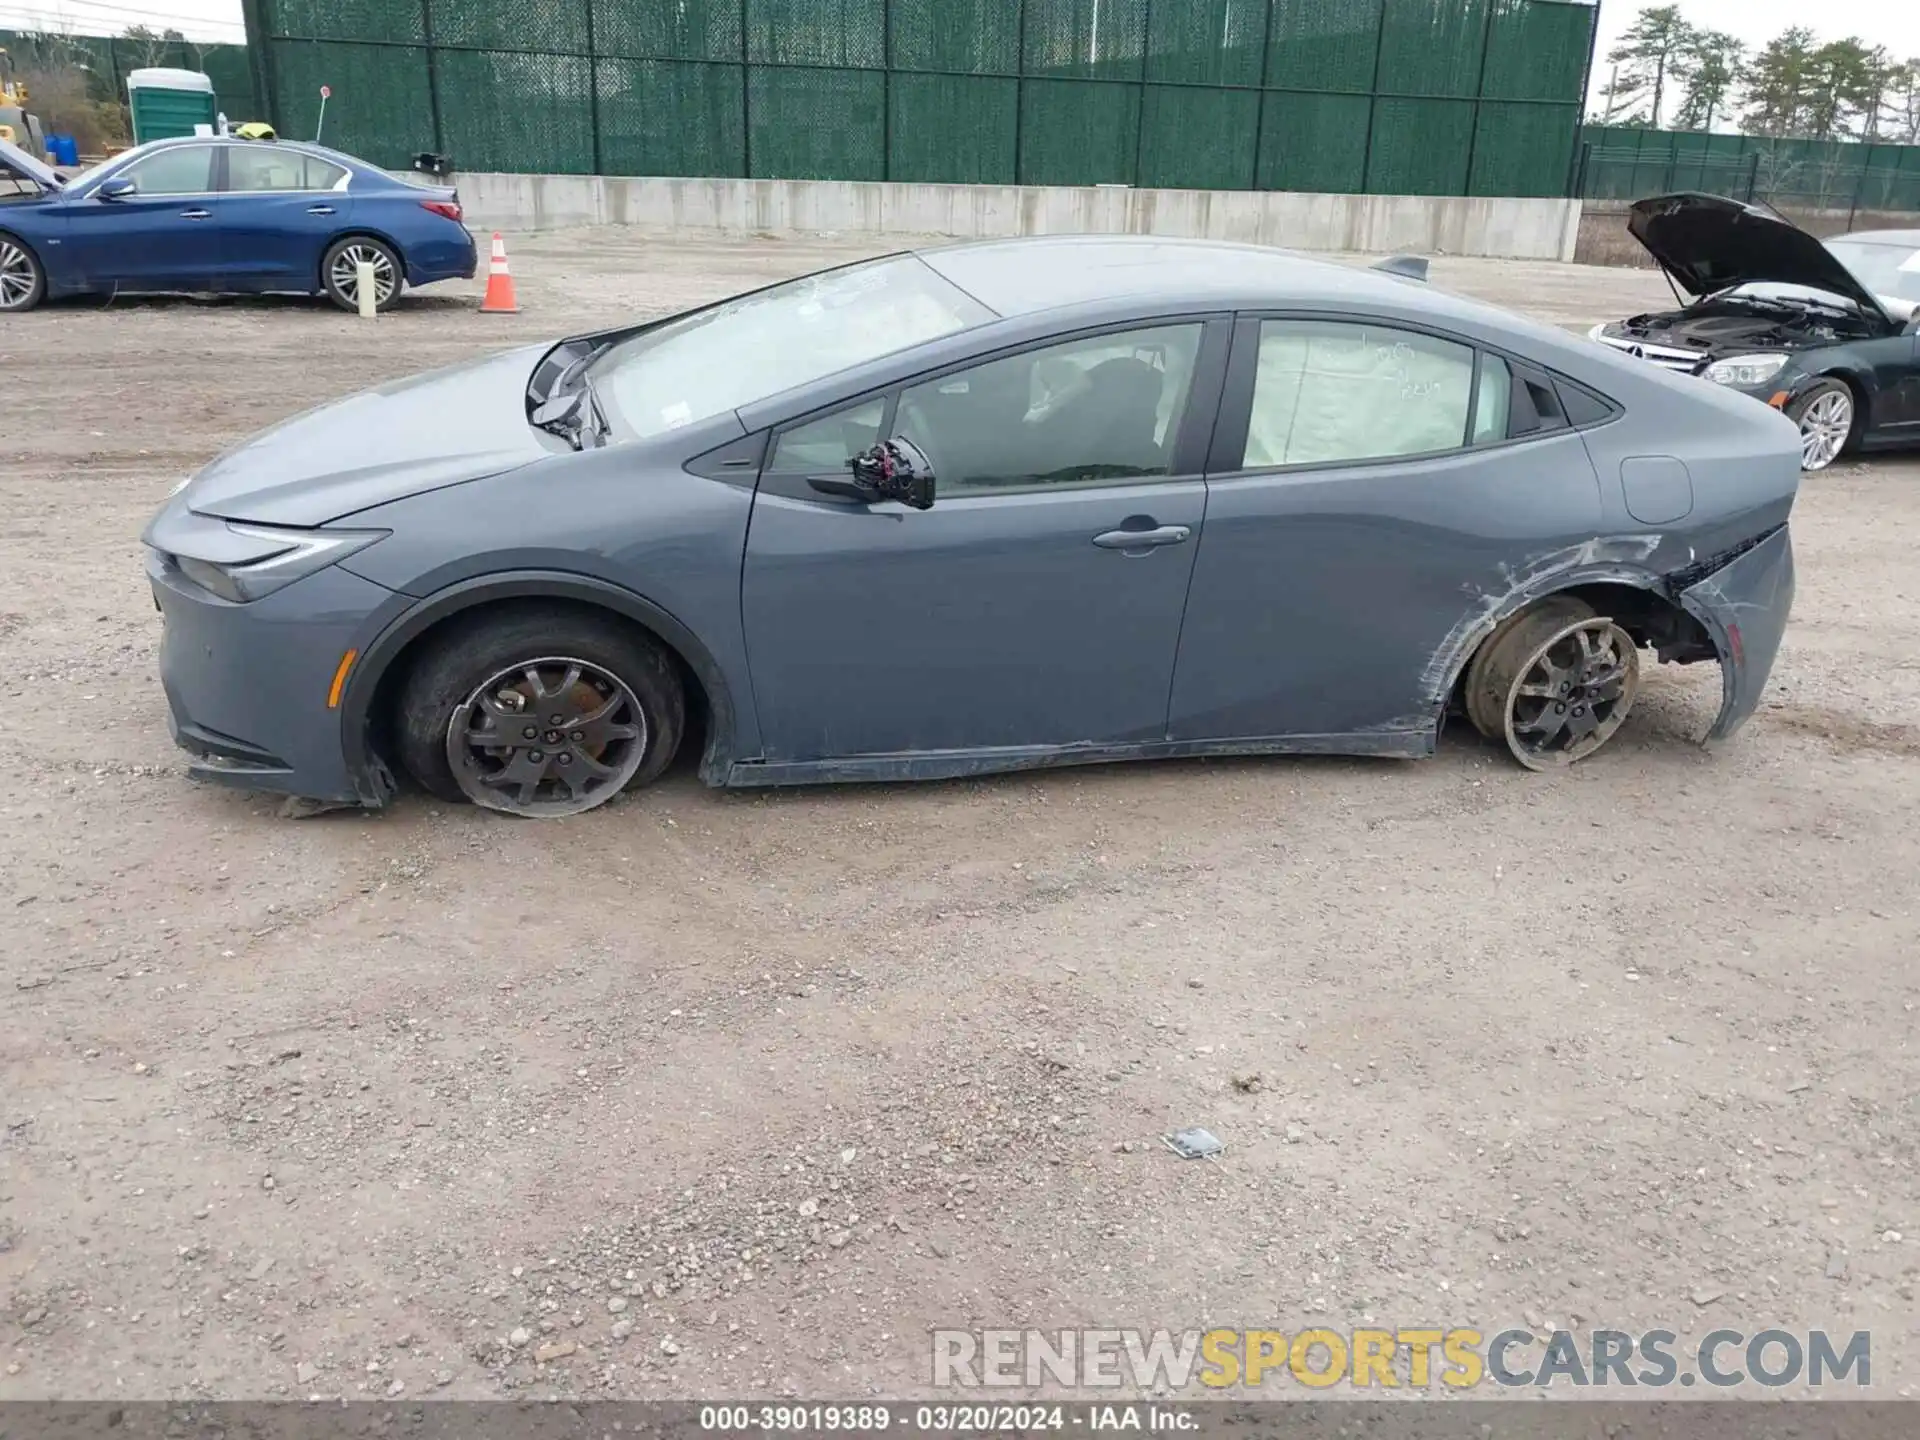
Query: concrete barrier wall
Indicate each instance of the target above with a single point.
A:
(1423, 224)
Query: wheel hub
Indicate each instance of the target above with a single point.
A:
(546, 737)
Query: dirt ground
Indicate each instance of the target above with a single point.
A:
(742, 1094)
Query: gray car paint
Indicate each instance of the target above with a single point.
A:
(1323, 610)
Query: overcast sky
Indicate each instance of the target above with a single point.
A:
(1893, 23)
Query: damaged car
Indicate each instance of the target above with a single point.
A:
(1825, 330)
(980, 508)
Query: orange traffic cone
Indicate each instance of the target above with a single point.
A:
(499, 297)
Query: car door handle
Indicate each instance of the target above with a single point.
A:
(196, 214)
(1142, 539)
(319, 209)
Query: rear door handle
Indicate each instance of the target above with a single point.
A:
(319, 209)
(1142, 539)
(196, 214)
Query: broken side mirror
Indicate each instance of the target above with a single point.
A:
(892, 470)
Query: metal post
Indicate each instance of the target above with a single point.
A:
(886, 89)
(1479, 89)
(433, 76)
(256, 15)
(1753, 174)
(1373, 97)
(1575, 156)
(1260, 79)
(1140, 103)
(746, 104)
(593, 92)
(1019, 81)
(1673, 159)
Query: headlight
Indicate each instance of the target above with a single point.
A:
(273, 558)
(1746, 370)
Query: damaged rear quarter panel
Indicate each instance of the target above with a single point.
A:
(1744, 606)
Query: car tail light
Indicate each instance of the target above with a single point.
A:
(448, 208)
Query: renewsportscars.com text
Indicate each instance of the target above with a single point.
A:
(1411, 1358)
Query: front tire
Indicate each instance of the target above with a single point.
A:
(1826, 417)
(540, 713)
(1555, 683)
(23, 282)
(340, 272)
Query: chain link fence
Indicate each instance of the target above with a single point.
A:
(1424, 97)
(1625, 164)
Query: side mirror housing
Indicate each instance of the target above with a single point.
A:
(117, 189)
(892, 470)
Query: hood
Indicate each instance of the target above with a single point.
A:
(419, 434)
(1708, 242)
(17, 162)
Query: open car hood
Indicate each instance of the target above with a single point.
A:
(1707, 243)
(18, 163)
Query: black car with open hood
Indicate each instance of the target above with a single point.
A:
(1823, 329)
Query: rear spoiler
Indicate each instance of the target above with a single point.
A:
(1412, 267)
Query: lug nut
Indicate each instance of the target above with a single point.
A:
(530, 733)
(578, 735)
(559, 719)
(536, 755)
(566, 759)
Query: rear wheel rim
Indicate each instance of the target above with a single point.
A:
(18, 276)
(1572, 694)
(547, 737)
(346, 273)
(1824, 427)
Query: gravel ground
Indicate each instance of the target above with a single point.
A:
(712, 1093)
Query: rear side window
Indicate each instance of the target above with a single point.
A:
(1332, 391)
(266, 168)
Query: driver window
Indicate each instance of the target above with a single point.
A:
(1089, 412)
(187, 170)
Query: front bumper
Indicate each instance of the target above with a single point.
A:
(1744, 605)
(247, 685)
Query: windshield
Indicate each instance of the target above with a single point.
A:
(1891, 272)
(759, 345)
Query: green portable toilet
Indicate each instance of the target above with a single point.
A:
(165, 103)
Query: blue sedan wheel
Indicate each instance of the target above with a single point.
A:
(22, 282)
(342, 271)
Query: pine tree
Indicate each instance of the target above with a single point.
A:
(1713, 69)
(1656, 53)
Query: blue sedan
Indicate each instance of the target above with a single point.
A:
(213, 214)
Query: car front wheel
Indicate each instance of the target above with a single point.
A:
(540, 713)
(340, 272)
(22, 282)
(1825, 417)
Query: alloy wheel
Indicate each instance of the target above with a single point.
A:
(346, 273)
(1572, 694)
(1824, 428)
(19, 277)
(547, 737)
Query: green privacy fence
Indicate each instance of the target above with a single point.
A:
(105, 61)
(1438, 97)
(1624, 163)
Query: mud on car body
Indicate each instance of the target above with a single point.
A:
(983, 508)
(1823, 330)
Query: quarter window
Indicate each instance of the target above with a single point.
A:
(1331, 391)
(1089, 412)
(184, 170)
(823, 446)
(1495, 398)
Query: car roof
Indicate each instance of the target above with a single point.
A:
(1910, 238)
(1034, 273)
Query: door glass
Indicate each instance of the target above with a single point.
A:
(1490, 406)
(266, 167)
(1088, 412)
(1327, 392)
(823, 446)
(187, 170)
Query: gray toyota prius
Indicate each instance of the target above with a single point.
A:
(972, 509)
